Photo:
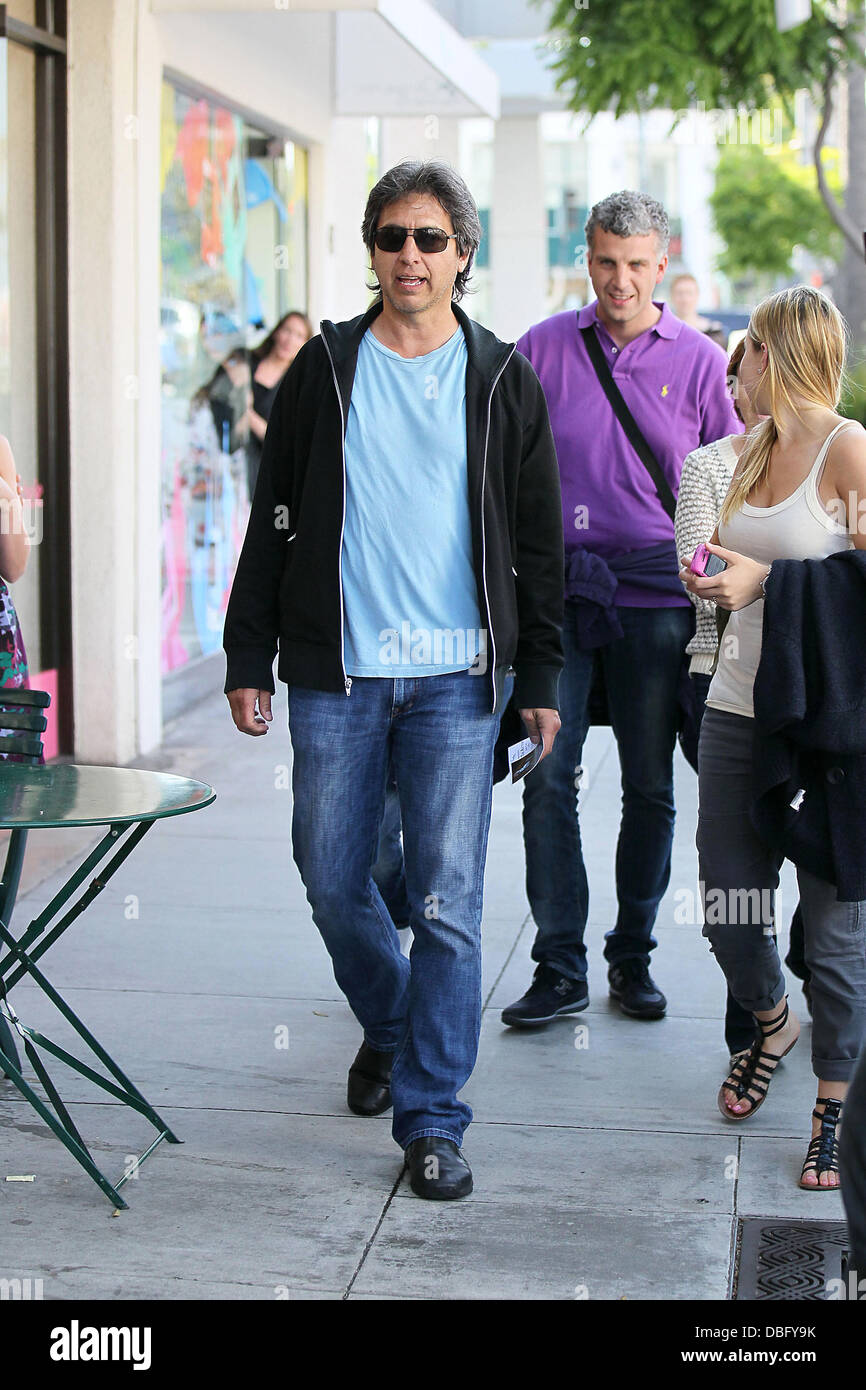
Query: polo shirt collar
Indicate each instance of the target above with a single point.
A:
(668, 326)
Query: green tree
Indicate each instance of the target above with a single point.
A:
(764, 204)
(625, 55)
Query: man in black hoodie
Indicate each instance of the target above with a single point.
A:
(404, 552)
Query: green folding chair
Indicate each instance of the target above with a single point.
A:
(21, 728)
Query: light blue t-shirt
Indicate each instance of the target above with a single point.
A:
(410, 598)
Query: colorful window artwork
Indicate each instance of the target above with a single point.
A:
(233, 261)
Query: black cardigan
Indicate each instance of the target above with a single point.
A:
(287, 590)
(810, 718)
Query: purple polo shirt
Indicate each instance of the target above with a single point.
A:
(673, 380)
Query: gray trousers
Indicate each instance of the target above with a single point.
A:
(739, 876)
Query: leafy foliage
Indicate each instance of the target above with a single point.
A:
(764, 204)
(630, 55)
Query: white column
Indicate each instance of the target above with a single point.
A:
(518, 231)
(696, 177)
(148, 502)
(105, 377)
(346, 180)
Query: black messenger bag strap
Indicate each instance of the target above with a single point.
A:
(627, 420)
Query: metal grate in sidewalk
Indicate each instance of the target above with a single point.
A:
(780, 1260)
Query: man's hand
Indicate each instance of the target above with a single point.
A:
(542, 723)
(243, 707)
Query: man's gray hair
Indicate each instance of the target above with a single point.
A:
(630, 214)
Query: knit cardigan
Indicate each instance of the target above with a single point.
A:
(704, 484)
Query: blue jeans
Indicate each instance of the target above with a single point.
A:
(438, 734)
(641, 672)
(389, 873)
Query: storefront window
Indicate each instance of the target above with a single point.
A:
(234, 215)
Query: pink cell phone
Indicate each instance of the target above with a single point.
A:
(705, 563)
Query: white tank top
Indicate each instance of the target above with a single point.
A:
(797, 528)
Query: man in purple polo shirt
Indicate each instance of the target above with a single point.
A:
(628, 611)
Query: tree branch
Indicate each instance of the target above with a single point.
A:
(851, 233)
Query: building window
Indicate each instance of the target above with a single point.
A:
(234, 261)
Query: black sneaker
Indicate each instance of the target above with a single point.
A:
(632, 986)
(549, 996)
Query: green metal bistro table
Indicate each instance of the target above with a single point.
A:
(127, 802)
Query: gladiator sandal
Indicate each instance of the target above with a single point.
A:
(822, 1155)
(752, 1072)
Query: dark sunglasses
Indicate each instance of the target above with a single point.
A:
(427, 239)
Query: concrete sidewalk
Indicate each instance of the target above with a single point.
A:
(602, 1166)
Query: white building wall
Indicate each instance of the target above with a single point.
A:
(518, 231)
(420, 137)
(103, 287)
(696, 165)
(346, 178)
(146, 649)
(117, 54)
(236, 55)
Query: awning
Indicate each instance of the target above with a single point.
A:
(392, 58)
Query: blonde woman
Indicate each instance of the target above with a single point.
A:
(794, 495)
(704, 484)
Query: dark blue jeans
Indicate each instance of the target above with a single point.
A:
(641, 671)
(389, 873)
(438, 734)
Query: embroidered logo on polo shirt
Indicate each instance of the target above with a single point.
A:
(665, 390)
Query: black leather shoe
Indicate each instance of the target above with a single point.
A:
(633, 988)
(549, 995)
(438, 1170)
(369, 1089)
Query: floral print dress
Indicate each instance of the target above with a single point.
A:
(13, 658)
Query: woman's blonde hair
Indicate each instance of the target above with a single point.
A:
(806, 339)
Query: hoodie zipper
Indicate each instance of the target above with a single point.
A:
(347, 680)
(483, 532)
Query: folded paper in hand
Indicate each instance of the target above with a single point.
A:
(523, 757)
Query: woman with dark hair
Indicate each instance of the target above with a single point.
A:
(269, 363)
(226, 395)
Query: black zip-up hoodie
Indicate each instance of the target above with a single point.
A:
(287, 590)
